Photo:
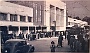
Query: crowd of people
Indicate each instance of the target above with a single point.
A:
(14, 36)
(76, 44)
(79, 44)
(25, 36)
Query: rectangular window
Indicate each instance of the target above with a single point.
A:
(13, 17)
(22, 18)
(29, 19)
(3, 16)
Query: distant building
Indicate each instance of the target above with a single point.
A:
(73, 22)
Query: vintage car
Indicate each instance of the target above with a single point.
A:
(17, 46)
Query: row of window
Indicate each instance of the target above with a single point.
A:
(14, 17)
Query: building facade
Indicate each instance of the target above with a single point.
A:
(47, 13)
(37, 16)
(56, 14)
(15, 18)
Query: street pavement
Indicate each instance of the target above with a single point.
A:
(43, 45)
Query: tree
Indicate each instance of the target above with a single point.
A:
(87, 19)
(77, 18)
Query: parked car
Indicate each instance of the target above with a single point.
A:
(17, 46)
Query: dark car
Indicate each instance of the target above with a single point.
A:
(17, 46)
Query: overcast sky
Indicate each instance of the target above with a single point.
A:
(79, 8)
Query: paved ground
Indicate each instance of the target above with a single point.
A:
(43, 45)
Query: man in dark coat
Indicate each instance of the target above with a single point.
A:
(22, 36)
(60, 40)
(72, 39)
(68, 38)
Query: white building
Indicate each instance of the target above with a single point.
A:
(55, 15)
(24, 16)
(47, 13)
(15, 18)
(79, 23)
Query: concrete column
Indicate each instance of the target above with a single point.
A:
(18, 16)
(55, 20)
(8, 29)
(26, 18)
(18, 30)
(28, 29)
(55, 13)
(8, 17)
(35, 29)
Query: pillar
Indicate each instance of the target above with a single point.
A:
(18, 16)
(8, 29)
(18, 30)
(28, 29)
(8, 17)
(26, 18)
(55, 13)
(35, 29)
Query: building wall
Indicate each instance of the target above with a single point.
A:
(45, 13)
(38, 8)
(10, 8)
(61, 20)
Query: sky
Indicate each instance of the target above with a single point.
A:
(79, 8)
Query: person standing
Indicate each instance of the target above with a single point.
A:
(20, 35)
(86, 43)
(60, 40)
(52, 46)
(68, 38)
(30, 36)
(78, 45)
(72, 40)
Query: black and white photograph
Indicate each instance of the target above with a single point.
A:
(44, 26)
